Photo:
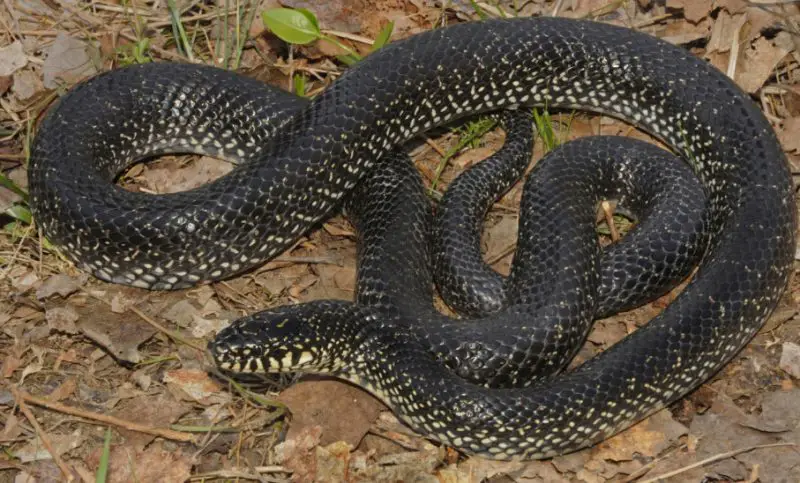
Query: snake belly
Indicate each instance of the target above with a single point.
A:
(285, 187)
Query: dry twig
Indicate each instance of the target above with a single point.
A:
(23, 397)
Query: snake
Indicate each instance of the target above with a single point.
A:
(296, 171)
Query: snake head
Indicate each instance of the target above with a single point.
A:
(312, 337)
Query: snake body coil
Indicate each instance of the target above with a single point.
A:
(286, 186)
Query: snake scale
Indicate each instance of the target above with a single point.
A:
(315, 158)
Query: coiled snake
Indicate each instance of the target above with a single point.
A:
(284, 187)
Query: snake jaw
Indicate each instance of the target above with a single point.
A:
(288, 339)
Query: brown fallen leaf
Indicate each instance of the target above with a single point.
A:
(780, 412)
(693, 11)
(23, 279)
(5, 84)
(482, 469)
(331, 279)
(501, 236)
(723, 32)
(68, 61)
(647, 438)
(152, 464)
(174, 175)
(11, 361)
(120, 334)
(61, 284)
(299, 454)
(333, 462)
(302, 285)
(720, 430)
(12, 58)
(732, 6)
(181, 313)
(62, 319)
(195, 385)
(758, 62)
(64, 390)
(34, 450)
(344, 412)
(159, 412)
(608, 332)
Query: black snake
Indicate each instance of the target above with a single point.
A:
(285, 186)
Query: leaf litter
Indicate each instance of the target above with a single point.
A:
(80, 356)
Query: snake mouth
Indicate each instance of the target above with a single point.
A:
(275, 349)
(252, 359)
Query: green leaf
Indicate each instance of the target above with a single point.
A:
(20, 213)
(383, 36)
(311, 17)
(294, 26)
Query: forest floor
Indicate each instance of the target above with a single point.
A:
(100, 378)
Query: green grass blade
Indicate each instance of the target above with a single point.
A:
(6, 182)
(178, 31)
(383, 36)
(102, 470)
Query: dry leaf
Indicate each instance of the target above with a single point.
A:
(299, 454)
(759, 61)
(64, 390)
(62, 319)
(195, 385)
(61, 284)
(67, 62)
(151, 464)
(120, 334)
(647, 438)
(61, 444)
(693, 10)
(12, 58)
(342, 410)
(723, 32)
(157, 411)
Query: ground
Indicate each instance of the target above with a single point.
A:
(109, 383)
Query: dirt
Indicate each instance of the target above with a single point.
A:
(85, 363)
